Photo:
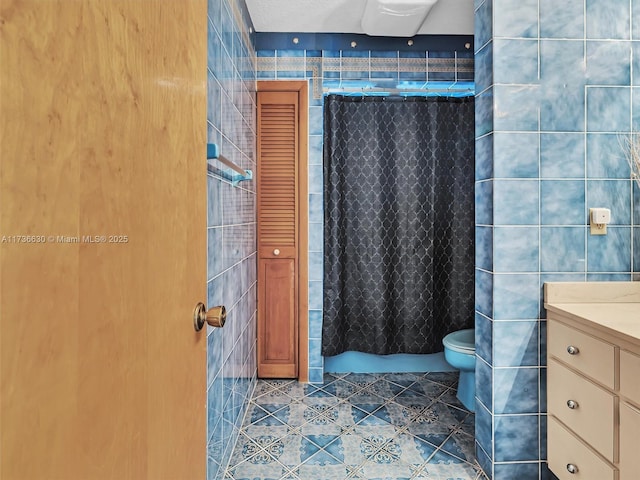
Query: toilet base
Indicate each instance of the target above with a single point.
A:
(467, 389)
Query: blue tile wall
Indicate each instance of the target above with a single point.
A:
(607, 19)
(484, 248)
(557, 90)
(484, 201)
(515, 391)
(484, 67)
(515, 60)
(636, 253)
(484, 379)
(615, 194)
(516, 296)
(515, 343)
(484, 157)
(608, 63)
(516, 202)
(515, 155)
(517, 470)
(565, 23)
(484, 329)
(608, 109)
(484, 111)
(516, 437)
(519, 248)
(521, 22)
(562, 155)
(517, 106)
(231, 217)
(483, 35)
(562, 202)
(484, 426)
(484, 292)
(563, 249)
(605, 158)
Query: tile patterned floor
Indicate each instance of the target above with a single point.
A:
(357, 426)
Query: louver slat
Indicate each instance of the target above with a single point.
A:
(277, 179)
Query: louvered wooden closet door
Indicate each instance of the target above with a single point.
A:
(278, 155)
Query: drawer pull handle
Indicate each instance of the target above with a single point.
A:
(276, 252)
(571, 468)
(572, 404)
(571, 350)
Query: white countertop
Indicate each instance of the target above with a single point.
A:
(611, 307)
(616, 318)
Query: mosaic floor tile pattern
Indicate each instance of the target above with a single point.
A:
(357, 426)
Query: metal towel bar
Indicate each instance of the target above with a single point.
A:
(214, 153)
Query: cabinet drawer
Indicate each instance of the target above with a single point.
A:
(629, 375)
(592, 415)
(566, 449)
(591, 356)
(629, 449)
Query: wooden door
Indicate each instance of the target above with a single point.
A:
(102, 239)
(282, 225)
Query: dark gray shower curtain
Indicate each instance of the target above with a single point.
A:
(398, 222)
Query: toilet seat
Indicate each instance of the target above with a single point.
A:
(462, 341)
(460, 353)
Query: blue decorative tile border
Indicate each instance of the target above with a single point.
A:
(386, 69)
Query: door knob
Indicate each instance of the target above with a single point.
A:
(215, 316)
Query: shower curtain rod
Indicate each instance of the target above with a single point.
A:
(366, 90)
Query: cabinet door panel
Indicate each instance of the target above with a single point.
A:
(277, 319)
(629, 449)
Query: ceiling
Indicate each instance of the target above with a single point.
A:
(446, 17)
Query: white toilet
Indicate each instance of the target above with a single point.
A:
(460, 353)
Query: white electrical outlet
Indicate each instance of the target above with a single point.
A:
(598, 219)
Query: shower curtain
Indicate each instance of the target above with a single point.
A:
(398, 222)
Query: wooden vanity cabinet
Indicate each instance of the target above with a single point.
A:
(593, 397)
